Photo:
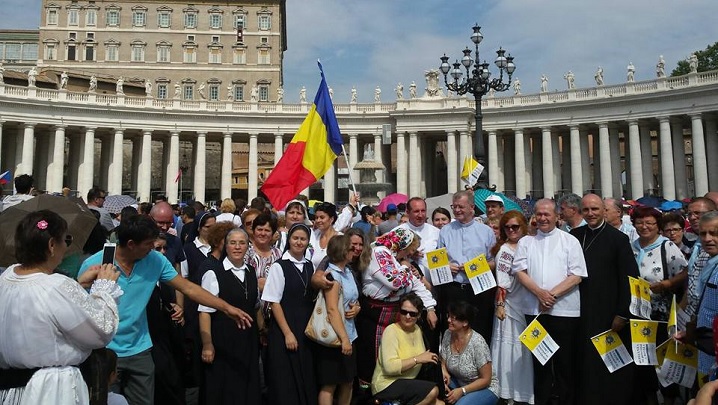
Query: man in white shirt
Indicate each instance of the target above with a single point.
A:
(551, 265)
(416, 212)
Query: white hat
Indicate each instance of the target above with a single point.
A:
(494, 198)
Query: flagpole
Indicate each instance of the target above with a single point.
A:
(351, 170)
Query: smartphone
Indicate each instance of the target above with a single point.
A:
(108, 253)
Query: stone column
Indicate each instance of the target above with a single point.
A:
(636, 165)
(144, 171)
(501, 163)
(493, 163)
(253, 172)
(679, 159)
(605, 161)
(668, 181)
(200, 163)
(452, 168)
(226, 179)
(165, 173)
(401, 164)
(586, 179)
(42, 159)
(354, 157)
(556, 162)
(27, 146)
(381, 175)
(700, 166)
(712, 150)
(115, 171)
(577, 185)
(171, 182)
(56, 168)
(528, 172)
(614, 139)
(520, 160)
(87, 164)
(105, 158)
(464, 145)
(330, 184)
(547, 163)
(414, 168)
(136, 157)
(646, 157)
(278, 147)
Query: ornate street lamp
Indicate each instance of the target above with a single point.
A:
(479, 83)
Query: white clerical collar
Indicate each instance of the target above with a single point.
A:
(288, 256)
(227, 264)
(551, 232)
(598, 227)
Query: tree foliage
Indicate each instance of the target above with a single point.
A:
(707, 60)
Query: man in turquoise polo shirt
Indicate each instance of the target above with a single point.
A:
(141, 268)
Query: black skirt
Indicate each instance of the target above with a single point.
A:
(332, 367)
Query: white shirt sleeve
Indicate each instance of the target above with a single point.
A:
(209, 283)
(274, 286)
(90, 319)
(576, 261)
(344, 219)
(184, 269)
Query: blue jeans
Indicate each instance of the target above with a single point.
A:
(480, 397)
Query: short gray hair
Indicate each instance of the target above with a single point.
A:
(469, 194)
(572, 200)
(616, 203)
(548, 201)
(708, 216)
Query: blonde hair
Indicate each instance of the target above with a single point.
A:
(228, 206)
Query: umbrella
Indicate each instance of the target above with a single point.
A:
(115, 203)
(396, 199)
(481, 194)
(526, 207)
(650, 201)
(79, 219)
(671, 205)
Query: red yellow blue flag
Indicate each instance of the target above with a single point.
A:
(310, 154)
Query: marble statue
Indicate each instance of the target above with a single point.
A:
(148, 87)
(517, 87)
(118, 86)
(432, 83)
(63, 80)
(331, 94)
(354, 94)
(254, 94)
(661, 67)
(492, 92)
(599, 76)
(377, 95)
(31, 75)
(178, 91)
(368, 152)
(544, 83)
(230, 92)
(93, 84)
(303, 95)
(693, 63)
(201, 92)
(280, 95)
(2, 73)
(412, 90)
(570, 80)
(631, 72)
(400, 91)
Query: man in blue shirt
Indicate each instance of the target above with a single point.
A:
(464, 239)
(141, 267)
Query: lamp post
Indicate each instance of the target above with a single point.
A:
(478, 82)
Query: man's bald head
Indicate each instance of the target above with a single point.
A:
(593, 210)
(712, 195)
(163, 215)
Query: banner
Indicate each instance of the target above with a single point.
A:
(679, 366)
(643, 336)
(539, 341)
(612, 350)
(439, 271)
(640, 297)
(479, 274)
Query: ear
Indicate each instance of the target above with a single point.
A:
(51, 245)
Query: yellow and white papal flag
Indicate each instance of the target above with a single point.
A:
(439, 270)
(612, 350)
(539, 341)
(643, 336)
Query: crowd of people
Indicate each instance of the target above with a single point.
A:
(210, 306)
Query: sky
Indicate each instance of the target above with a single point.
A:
(370, 43)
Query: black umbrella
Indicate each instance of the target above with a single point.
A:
(80, 222)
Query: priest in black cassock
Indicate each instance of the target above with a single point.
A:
(605, 299)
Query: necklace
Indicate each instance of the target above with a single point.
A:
(301, 277)
(241, 284)
(583, 244)
(458, 344)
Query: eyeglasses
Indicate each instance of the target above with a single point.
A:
(248, 223)
(237, 243)
(695, 213)
(672, 230)
(410, 314)
(646, 224)
(458, 207)
(512, 228)
(68, 240)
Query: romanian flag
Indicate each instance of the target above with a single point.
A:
(310, 153)
(5, 177)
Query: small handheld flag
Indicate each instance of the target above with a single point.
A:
(5, 177)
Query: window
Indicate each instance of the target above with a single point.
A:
(263, 93)
(190, 20)
(72, 35)
(263, 40)
(138, 52)
(139, 18)
(113, 18)
(163, 19)
(190, 55)
(215, 55)
(240, 56)
(29, 52)
(50, 52)
(238, 92)
(190, 38)
(265, 22)
(215, 21)
(90, 36)
(213, 92)
(112, 52)
(52, 16)
(162, 91)
(163, 52)
(239, 21)
(263, 58)
(89, 52)
(188, 92)
(73, 16)
(71, 52)
(91, 17)
(13, 52)
(215, 39)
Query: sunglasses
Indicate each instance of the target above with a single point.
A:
(512, 228)
(410, 314)
(68, 240)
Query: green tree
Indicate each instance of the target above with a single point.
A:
(707, 60)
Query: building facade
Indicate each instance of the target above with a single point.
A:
(203, 50)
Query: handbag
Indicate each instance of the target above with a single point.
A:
(319, 329)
